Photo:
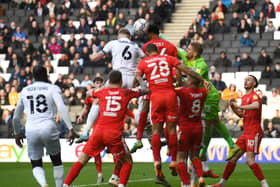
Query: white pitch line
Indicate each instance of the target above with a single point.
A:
(130, 181)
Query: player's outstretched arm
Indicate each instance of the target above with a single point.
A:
(144, 89)
(16, 122)
(235, 108)
(97, 56)
(254, 106)
(83, 113)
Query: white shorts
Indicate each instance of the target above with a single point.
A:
(42, 136)
(127, 81)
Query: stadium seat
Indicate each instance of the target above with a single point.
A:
(267, 36)
(262, 87)
(274, 43)
(62, 70)
(99, 24)
(4, 65)
(219, 37)
(255, 36)
(257, 49)
(258, 68)
(6, 76)
(229, 37)
(219, 50)
(235, 44)
(245, 50)
(276, 35)
(57, 56)
(246, 68)
(76, 24)
(65, 37)
(232, 50)
(53, 77)
(262, 43)
(240, 76)
(226, 44)
(2, 57)
(275, 83)
(228, 77)
(207, 50)
(257, 74)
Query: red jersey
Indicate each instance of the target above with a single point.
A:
(191, 104)
(164, 47)
(89, 101)
(252, 118)
(113, 106)
(158, 71)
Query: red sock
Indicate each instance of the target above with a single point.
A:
(125, 173)
(73, 173)
(257, 171)
(129, 113)
(228, 170)
(141, 125)
(156, 147)
(183, 172)
(198, 167)
(172, 143)
(117, 167)
(98, 163)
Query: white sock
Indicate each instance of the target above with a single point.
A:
(39, 174)
(121, 185)
(114, 176)
(264, 183)
(222, 181)
(92, 116)
(193, 176)
(58, 173)
(205, 166)
(99, 175)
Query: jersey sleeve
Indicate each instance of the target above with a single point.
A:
(88, 103)
(255, 98)
(174, 61)
(108, 48)
(202, 70)
(139, 52)
(144, 47)
(174, 51)
(141, 67)
(181, 53)
(133, 92)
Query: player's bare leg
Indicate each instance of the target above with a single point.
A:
(76, 168)
(141, 125)
(156, 145)
(172, 144)
(98, 166)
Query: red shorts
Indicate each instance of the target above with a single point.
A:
(190, 138)
(164, 107)
(250, 142)
(101, 138)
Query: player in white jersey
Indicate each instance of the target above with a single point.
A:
(124, 56)
(40, 101)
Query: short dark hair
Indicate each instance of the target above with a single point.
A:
(256, 80)
(196, 80)
(197, 47)
(124, 31)
(100, 79)
(153, 29)
(40, 73)
(151, 48)
(115, 77)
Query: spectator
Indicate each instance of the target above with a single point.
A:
(246, 6)
(234, 6)
(270, 13)
(185, 41)
(35, 29)
(70, 28)
(270, 27)
(274, 99)
(233, 128)
(246, 60)
(276, 52)
(211, 42)
(237, 62)
(200, 20)
(253, 14)
(48, 66)
(121, 20)
(219, 84)
(267, 73)
(20, 36)
(219, 10)
(41, 10)
(230, 93)
(130, 26)
(204, 12)
(13, 96)
(276, 72)
(155, 17)
(73, 80)
(262, 19)
(257, 28)
(79, 99)
(67, 97)
(54, 47)
(271, 131)
(111, 20)
(3, 98)
(212, 73)
(83, 28)
(264, 58)
(235, 21)
(15, 61)
(276, 119)
(246, 40)
(86, 81)
(262, 96)
(195, 26)
(243, 26)
(197, 38)
(222, 61)
(221, 27)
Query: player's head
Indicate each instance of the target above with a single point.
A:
(115, 77)
(194, 50)
(124, 33)
(151, 49)
(193, 80)
(251, 82)
(98, 82)
(153, 31)
(40, 73)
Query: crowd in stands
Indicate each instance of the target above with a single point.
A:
(36, 37)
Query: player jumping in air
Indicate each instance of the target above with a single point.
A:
(113, 101)
(40, 100)
(163, 100)
(249, 141)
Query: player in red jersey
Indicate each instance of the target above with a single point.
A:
(249, 141)
(165, 48)
(107, 131)
(163, 101)
(190, 128)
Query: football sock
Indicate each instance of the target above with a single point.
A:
(205, 166)
(125, 173)
(193, 176)
(141, 125)
(58, 173)
(206, 139)
(156, 147)
(198, 167)
(73, 173)
(92, 116)
(39, 174)
(184, 175)
(117, 167)
(223, 131)
(172, 143)
(228, 170)
(98, 163)
(264, 183)
(257, 171)
(129, 113)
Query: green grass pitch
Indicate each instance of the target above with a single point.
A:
(20, 175)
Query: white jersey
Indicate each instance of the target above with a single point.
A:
(124, 54)
(40, 101)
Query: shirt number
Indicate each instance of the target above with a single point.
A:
(126, 54)
(113, 103)
(163, 69)
(39, 104)
(195, 107)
